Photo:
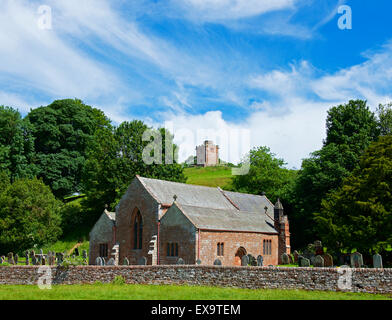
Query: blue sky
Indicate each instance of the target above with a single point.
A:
(243, 73)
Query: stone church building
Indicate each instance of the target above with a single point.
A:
(157, 222)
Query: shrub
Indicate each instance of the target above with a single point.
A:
(119, 280)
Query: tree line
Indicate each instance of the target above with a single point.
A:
(69, 150)
(342, 194)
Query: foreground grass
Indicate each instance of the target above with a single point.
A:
(168, 292)
(209, 176)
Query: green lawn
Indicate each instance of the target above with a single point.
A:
(168, 292)
(219, 176)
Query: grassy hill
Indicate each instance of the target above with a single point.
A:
(219, 176)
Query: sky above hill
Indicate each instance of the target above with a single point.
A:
(243, 73)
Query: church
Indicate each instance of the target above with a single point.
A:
(158, 222)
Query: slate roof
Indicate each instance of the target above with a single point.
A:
(227, 219)
(213, 208)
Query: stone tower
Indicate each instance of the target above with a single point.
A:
(207, 154)
(282, 226)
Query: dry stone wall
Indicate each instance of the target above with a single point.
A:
(362, 280)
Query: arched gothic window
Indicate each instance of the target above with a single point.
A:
(137, 230)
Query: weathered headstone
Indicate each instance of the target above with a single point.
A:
(377, 261)
(111, 262)
(319, 262)
(285, 258)
(34, 260)
(217, 262)
(296, 255)
(76, 252)
(198, 261)
(305, 262)
(60, 258)
(126, 262)
(16, 258)
(99, 261)
(260, 261)
(356, 260)
(84, 254)
(318, 247)
(10, 258)
(328, 260)
(103, 261)
(180, 261)
(32, 254)
(115, 253)
(244, 260)
(142, 261)
(39, 260)
(43, 260)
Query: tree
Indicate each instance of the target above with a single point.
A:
(16, 145)
(29, 215)
(384, 113)
(358, 215)
(266, 174)
(116, 158)
(63, 131)
(350, 130)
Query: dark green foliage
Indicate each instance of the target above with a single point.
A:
(350, 129)
(358, 215)
(16, 145)
(29, 215)
(114, 161)
(266, 174)
(63, 131)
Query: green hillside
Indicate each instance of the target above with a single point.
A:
(219, 176)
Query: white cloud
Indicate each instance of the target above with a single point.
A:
(215, 10)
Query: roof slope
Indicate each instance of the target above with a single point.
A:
(206, 197)
(227, 219)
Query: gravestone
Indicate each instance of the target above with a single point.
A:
(43, 261)
(377, 261)
(198, 261)
(285, 258)
(142, 261)
(126, 262)
(76, 252)
(16, 258)
(10, 258)
(328, 260)
(111, 262)
(34, 260)
(99, 261)
(180, 261)
(217, 262)
(305, 262)
(41, 252)
(115, 253)
(39, 259)
(103, 261)
(318, 262)
(318, 247)
(1, 260)
(244, 260)
(356, 260)
(60, 258)
(291, 260)
(296, 255)
(312, 260)
(260, 261)
(27, 261)
(84, 254)
(32, 254)
(252, 260)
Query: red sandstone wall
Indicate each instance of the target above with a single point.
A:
(252, 242)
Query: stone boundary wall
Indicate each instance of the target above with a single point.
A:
(362, 280)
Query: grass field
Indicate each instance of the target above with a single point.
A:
(168, 292)
(209, 176)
